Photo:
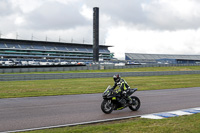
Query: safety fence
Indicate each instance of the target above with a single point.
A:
(18, 77)
(47, 69)
(89, 67)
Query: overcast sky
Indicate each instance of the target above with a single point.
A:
(130, 26)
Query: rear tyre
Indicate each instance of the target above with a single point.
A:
(135, 103)
(107, 106)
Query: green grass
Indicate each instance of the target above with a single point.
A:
(138, 69)
(183, 124)
(10, 89)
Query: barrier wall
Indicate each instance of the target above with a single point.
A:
(15, 77)
(92, 67)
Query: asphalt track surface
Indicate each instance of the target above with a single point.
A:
(36, 112)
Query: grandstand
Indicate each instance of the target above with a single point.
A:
(20, 50)
(162, 58)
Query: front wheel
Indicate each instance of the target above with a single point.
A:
(107, 106)
(136, 103)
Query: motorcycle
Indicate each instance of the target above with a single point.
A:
(114, 101)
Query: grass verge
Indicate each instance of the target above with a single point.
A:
(183, 124)
(10, 89)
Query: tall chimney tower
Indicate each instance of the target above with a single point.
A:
(96, 34)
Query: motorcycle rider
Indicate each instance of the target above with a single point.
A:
(123, 87)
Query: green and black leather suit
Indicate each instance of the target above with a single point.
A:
(123, 86)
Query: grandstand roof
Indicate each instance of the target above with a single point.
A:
(140, 56)
(3, 40)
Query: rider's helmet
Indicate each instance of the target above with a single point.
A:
(116, 78)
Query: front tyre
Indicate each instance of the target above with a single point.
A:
(136, 103)
(107, 106)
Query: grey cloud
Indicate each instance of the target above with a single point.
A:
(161, 16)
(7, 16)
(118, 10)
(55, 16)
(5, 8)
(158, 16)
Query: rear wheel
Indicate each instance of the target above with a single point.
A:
(107, 106)
(135, 103)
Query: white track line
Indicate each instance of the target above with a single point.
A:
(149, 116)
(73, 124)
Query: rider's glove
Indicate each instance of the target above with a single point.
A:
(124, 93)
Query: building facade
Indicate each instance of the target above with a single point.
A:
(162, 58)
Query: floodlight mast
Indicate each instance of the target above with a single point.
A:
(95, 34)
